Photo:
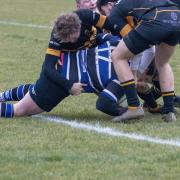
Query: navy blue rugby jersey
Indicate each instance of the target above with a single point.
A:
(91, 66)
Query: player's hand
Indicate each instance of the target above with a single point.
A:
(77, 88)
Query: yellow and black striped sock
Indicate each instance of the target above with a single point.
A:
(168, 101)
(131, 94)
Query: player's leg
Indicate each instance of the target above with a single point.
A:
(108, 106)
(15, 94)
(166, 77)
(108, 99)
(149, 101)
(120, 57)
(44, 96)
(139, 39)
(25, 107)
(147, 71)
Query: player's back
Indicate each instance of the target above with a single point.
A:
(137, 8)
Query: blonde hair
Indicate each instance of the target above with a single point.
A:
(66, 24)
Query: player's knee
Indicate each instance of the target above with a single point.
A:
(105, 105)
(100, 104)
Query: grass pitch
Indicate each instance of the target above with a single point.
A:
(34, 149)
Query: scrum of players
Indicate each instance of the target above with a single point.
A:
(110, 48)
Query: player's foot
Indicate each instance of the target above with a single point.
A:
(130, 114)
(169, 117)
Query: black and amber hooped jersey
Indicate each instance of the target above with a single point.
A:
(133, 8)
(90, 21)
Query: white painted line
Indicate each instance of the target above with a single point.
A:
(25, 25)
(109, 131)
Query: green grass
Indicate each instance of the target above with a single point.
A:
(34, 149)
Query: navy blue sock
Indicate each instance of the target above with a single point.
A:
(168, 98)
(6, 110)
(131, 93)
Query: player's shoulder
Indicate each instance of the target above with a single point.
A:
(83, 12)
(86, 15)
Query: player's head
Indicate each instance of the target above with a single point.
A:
(67, 27)
(105, 6)
(86, 4)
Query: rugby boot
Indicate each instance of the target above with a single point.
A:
(122, 110)
(155, 110)
(130, 114)
(169, 117)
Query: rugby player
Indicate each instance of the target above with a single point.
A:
(86, 4)
(142, 77)
(158, 24)
(72, 31)
(91, 67)
(105, 7)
